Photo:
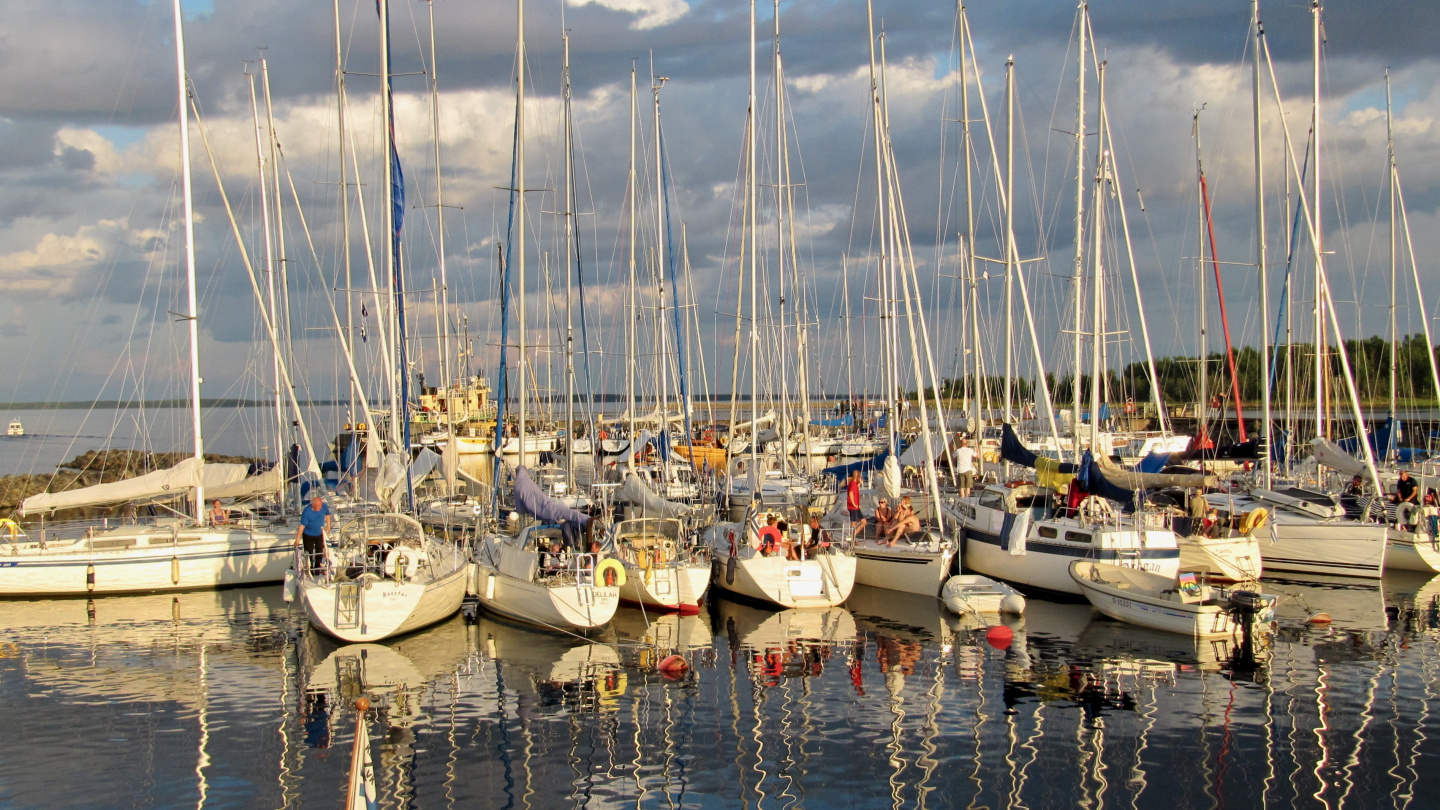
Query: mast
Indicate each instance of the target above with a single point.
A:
(849, 346)
(973, 294)
(1319, 215)
(662, 363)
(270, 304)
(1010, 258)
(348, 282)
(1097, 283)
(192, 311)
(569, 257)
(1203, 406)
(1394, 357)
(1079, 269)
(752, 197)
(894, 256)
(520, 214)
(394, 213)
(282, 298)
(1257, 30)
(444, 291)
(632, 321)
(784, 426)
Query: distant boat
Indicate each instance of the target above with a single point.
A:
(15, 428)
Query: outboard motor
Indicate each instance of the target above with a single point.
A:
(1244, 607)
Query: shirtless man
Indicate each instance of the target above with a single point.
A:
(904, 522)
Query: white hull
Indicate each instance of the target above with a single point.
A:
(824, 580)
(1237, 559)
(1292, 543)
(614, 447)
(967, 594)
(859, 447)
(678, 588)
(1409, 551)
(474, 445)
(551, 606)
(582, 446)
(389, 608)
(1122, 596)
(919, 569)
(137, 559)
(534, 443)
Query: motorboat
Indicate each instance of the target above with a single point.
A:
(819, 577)
(383, 576)
(1185, 604)
(14, 428)
(542, 441)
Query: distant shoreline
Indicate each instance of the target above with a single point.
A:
(158, 403)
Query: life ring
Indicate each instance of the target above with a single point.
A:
(1129, 406)
(610, 572)
(1095, 507)
(1254, 521)
(402, 563)
(1407, 514)
(9, 525)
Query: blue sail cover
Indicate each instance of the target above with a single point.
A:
(1014, 451)
(1153, 463)
(842, 471)
(1093, 481)
(846, 422)
(531, 500)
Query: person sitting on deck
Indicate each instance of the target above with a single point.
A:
(553, 561)
(883, 516)
(1406, 490)
(770, 537)
(905, 522)
(219, 516)
(816, 538)
(1357, 487)
(1211, 526)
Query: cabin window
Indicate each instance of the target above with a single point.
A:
(1048, 531)
(1077, 537)
(992, 500)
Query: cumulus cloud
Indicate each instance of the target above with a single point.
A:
(649, 13)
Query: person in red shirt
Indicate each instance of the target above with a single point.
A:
(852, 501)
(770, 537)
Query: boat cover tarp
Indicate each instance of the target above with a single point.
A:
(842, 471)
(188, 474)
(1048, 473)
(889, 483)
(1015, 452)
(389, 483)
(531, 500)
(1335, 457)
(637, 492)
(265, 482)
(1153, 462)
(846, 422)
(1144, 480)
(1093, 480)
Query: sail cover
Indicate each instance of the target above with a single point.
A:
(1147, 480)
(531, 500)
(266, 482)
(636, 491)
(188, 474)
(1331, 455)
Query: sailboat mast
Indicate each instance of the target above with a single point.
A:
(753, 199)
(348, 282)
(1079, 270)
(1318, 212)
(1097, 315)
(270, 304)
(444, 292)
(632, 321)
(662, 362)
(972, 294)
(1394, 267)
(1257, 31)
(192, 307)
(520, 215)
(1010, 258)
(569, 259)
(1203, 406)
(282, 298)
(400, 412)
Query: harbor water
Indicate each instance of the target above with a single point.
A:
(229, 699)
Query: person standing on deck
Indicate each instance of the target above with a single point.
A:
(315, 520)
(965, 467)
(852, 502)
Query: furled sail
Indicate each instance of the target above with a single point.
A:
(1333, 456)
(531, 500)
(188, 474)
(260, 484)
(637, 492)
(1143, 480)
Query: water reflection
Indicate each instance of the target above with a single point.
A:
(888, 702)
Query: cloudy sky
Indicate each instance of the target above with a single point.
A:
(90, 241)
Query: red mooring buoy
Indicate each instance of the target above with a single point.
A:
(1000, 636)
(673, 666)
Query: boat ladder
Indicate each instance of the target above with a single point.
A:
(1128, 557)
(347, 605)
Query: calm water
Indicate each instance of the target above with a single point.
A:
(228, 699)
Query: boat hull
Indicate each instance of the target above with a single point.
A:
(388, 608)
(1123, 601)
(824, 580)
(1236, 559)
(677, 588)
(552, 606)
(918, 570)
(1046, 565)
(1410, 551)
(137, 560)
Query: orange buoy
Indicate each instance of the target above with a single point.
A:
(1321, 618)
(673, 666)
(1000, 636)
(362, 705)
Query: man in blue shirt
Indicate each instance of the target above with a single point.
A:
(315, 520)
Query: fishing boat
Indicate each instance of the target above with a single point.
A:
(383, 577)
(1182, 604)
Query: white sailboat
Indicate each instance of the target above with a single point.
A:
(166, 554)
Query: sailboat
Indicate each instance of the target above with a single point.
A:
(177, 552)
(666, 568)
(570, 587)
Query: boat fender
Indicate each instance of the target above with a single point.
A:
(730, 569)
(673, 667)
(1407, 515)
(174, 570)
(1013, 603)
(610, 572)
(10, 526)
(1254, 520)
(90, 577)
(290, 585)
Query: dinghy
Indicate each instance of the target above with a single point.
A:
(1183, 604)
(968, 594)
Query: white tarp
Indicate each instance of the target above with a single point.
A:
(1329, 453)
(636, 491)
(266, 482)
(889, 485)
(183, 476)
